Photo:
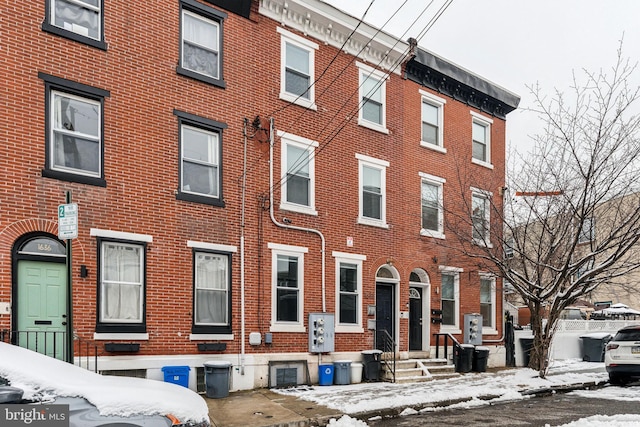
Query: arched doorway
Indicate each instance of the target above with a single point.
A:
(39, 315)
(419, 303)
(387, 280)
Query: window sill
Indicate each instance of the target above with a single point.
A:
(450, 330)
(373, 126)
(52, 29)
(201, 77)
(120, 336)
(195, 198)
(482, 163)
(71, 177)
(431, 233)
(279, 327)
(295, 99)
(372, 222)
(482, 243)
(489, 332)
(433, 147)
(349, 329)
(299, 209)
(207, 337)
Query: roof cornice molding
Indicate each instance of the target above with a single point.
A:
(332, 27)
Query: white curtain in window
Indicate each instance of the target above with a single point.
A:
(122, 283)
(211, 289)
(79, 17)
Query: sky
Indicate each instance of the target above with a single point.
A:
(516, 44)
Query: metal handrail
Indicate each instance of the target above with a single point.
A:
(454, 343)
(389, 347)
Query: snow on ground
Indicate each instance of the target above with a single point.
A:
(625, 420)
(43, 377)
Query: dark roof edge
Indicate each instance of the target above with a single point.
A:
(453, 71)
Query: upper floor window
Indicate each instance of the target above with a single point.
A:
(372, 177)
(79, 20)
(298, 174)
(488, 304)
(288, 288)
(372, 112)
(587, 231)
(481, 135)
(74, 150)
(201, 42)
(200, 159)
(297, 72)
(432, 206)
(432, 121)
(348, 292)
(480, 216)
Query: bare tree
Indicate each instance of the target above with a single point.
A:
(570, 219)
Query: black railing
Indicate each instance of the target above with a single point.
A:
(454, 343)
(54, 344)
(388, 357)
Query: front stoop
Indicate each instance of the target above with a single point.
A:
(420, 370)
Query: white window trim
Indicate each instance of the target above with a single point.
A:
(365, 71)
(121, 336)
(217, 50)
(487, 122)
(343, 257)
(435, 180)
(211, 246)
(439, 103)
(109, 234)
(487, 195)
(311, 47)
(296, 251)
(455, 272)
(381, 165)
(310, 146)
(219, 337)
(493, 330)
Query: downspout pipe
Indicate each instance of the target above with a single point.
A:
(293, 227)
(242, 279)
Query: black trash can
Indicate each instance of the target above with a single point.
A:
(463, 357)
(216, 374)
(371, 362)
(527, 345)
(593, 346)
(480, 358)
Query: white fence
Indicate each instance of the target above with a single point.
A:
(566, 342)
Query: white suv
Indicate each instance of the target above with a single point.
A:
(622, 355)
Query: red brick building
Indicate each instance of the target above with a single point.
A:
(237, 166)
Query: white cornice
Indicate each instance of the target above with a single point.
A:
(331, 26)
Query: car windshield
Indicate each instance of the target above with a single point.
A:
(631, 335)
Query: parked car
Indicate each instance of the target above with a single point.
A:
(622, 355)
(95, 400)
(573, 313)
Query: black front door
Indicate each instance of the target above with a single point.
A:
(415, 319)
(385, 318)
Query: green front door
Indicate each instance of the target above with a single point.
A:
(42, 307)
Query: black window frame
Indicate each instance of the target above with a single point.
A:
(50, 27)
(213, 329)
(213, 15)
(114, 327)
(208, 125)
(57, 84)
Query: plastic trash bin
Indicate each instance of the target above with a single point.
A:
(176, 375)
(527, 345)
(593, 346)
(480, 358)
(325, 374)
(463, 357)
(216, 374)
(356, 373)
(342, 372)
(371, 362)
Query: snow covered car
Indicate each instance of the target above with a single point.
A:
(94, 400)
(622, 355)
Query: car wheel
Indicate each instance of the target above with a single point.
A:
(617, 379)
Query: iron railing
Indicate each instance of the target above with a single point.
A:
(388, 357)
(454, 343)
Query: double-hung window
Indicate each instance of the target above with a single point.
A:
(432, 122)
(481, 139)
(121, 284)
(480, 217)
(587, 231)
(201, 42)
(488, 303)
(79, 20)
(298, 174)
(373, 98)
(297, 72)
(372, 178)
(348, 292)
(450, 298)
(432, 206)
(288, 287)
(74, 123)
(200, 159)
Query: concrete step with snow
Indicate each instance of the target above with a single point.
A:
(418, 370)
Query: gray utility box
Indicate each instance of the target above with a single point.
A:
(321, 332)
(472, 329)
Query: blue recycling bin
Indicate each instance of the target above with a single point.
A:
(325, 374)
(176, 375)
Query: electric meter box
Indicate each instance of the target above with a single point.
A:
(321, 332)
(473, 329)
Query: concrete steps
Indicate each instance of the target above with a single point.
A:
(420, 370)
